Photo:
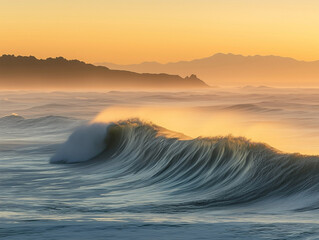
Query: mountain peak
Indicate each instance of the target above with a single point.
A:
(238, 70)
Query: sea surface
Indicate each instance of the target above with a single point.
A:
(225, 163)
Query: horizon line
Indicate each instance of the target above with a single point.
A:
(158, 62)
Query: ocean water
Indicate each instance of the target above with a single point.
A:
(218, 164)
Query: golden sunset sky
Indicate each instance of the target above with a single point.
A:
(134, 31)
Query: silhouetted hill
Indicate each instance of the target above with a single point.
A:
(230, 69)
(32, 73)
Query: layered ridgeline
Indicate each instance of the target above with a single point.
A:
(195, 173)
(58, 73)
(230, 69)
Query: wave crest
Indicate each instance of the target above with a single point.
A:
(215, 171)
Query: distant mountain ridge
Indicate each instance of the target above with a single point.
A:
(231, 69)
(30, 72)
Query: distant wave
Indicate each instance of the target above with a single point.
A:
(15, 120)
(11, 118)
(250, 108)
(50, 106)
(215, 171)
(246, 108)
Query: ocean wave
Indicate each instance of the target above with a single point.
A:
(251, 108)
(216, 171)
(16, 120)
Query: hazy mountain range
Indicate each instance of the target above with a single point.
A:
(18, 72)
(229, 69)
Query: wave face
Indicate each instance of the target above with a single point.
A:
(202, 172)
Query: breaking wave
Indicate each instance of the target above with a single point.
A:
(216, 171)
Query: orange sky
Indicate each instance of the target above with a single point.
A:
(134, 31)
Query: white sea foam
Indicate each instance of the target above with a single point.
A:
(83, 144)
